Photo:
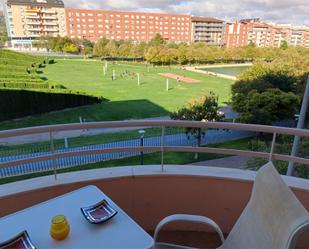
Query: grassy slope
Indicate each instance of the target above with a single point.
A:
(127, 100)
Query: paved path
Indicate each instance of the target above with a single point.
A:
(195, 70)
(74, 133)
(236, 162)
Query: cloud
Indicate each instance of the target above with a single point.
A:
(280, 11)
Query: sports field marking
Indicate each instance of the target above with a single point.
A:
(179, 78)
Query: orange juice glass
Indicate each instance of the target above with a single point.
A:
(59, 228)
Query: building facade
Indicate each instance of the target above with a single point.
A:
(208, 30)
(29, 20)
(127, 26)
(244, 32)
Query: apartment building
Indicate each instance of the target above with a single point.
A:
(28, 20)
(244, 32)
(294, 35)
(248, 31)
(128, 26)
(208, 30)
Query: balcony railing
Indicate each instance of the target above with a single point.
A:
(52, 158)
(50, 23)
(49, 17)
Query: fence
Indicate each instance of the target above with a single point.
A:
(54, 158)
(176, 139)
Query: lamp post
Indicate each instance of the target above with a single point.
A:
(142, 133)
(300, 125)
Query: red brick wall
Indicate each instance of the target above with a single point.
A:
(134, 26)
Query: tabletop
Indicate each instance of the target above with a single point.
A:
(119, 232)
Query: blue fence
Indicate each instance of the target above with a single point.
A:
(178, 139)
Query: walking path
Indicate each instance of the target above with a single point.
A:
(197, 69)
(68, 134)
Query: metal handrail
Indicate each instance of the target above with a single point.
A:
(54, 155)
(156, 123)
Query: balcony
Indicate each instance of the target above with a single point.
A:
(32, 10)
(50, 30)
(33, 23)
(32, 17)
(50, 23)
(49, 18)
(34, 29)
(146, 193)
(49, 11)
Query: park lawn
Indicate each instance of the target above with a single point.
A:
(179, 158)
(125, 99)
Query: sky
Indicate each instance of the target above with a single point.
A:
(279, 11)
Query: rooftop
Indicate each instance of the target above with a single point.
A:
(37, 3)
(206, 19)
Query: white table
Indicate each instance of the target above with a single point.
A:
(119, 232)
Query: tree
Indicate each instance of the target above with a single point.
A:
(99, 47)
(269, 106)
(284, 45)
(70, 48)
(3, 33)
(111, 48)
(157, 40)
(153, 55)
(202, 109)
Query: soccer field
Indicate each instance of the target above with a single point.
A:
(88, 76)
(126, 99)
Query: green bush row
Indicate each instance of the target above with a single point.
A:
(13, 68)
(21, 80)
(24, 85)
(20, 103)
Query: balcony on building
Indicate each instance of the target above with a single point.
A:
(50, 24)
(147, 193)
(47, 11)
(33, 17)
(34, 29)
(45, 17)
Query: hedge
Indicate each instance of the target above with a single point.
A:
(25, 85)
(20, 103)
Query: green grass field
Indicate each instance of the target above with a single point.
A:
(126, 100)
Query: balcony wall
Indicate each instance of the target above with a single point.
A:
(148, 194)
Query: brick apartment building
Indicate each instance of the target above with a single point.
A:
(134, 26)
(262, 34)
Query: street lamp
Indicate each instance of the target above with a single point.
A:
(142, 133)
